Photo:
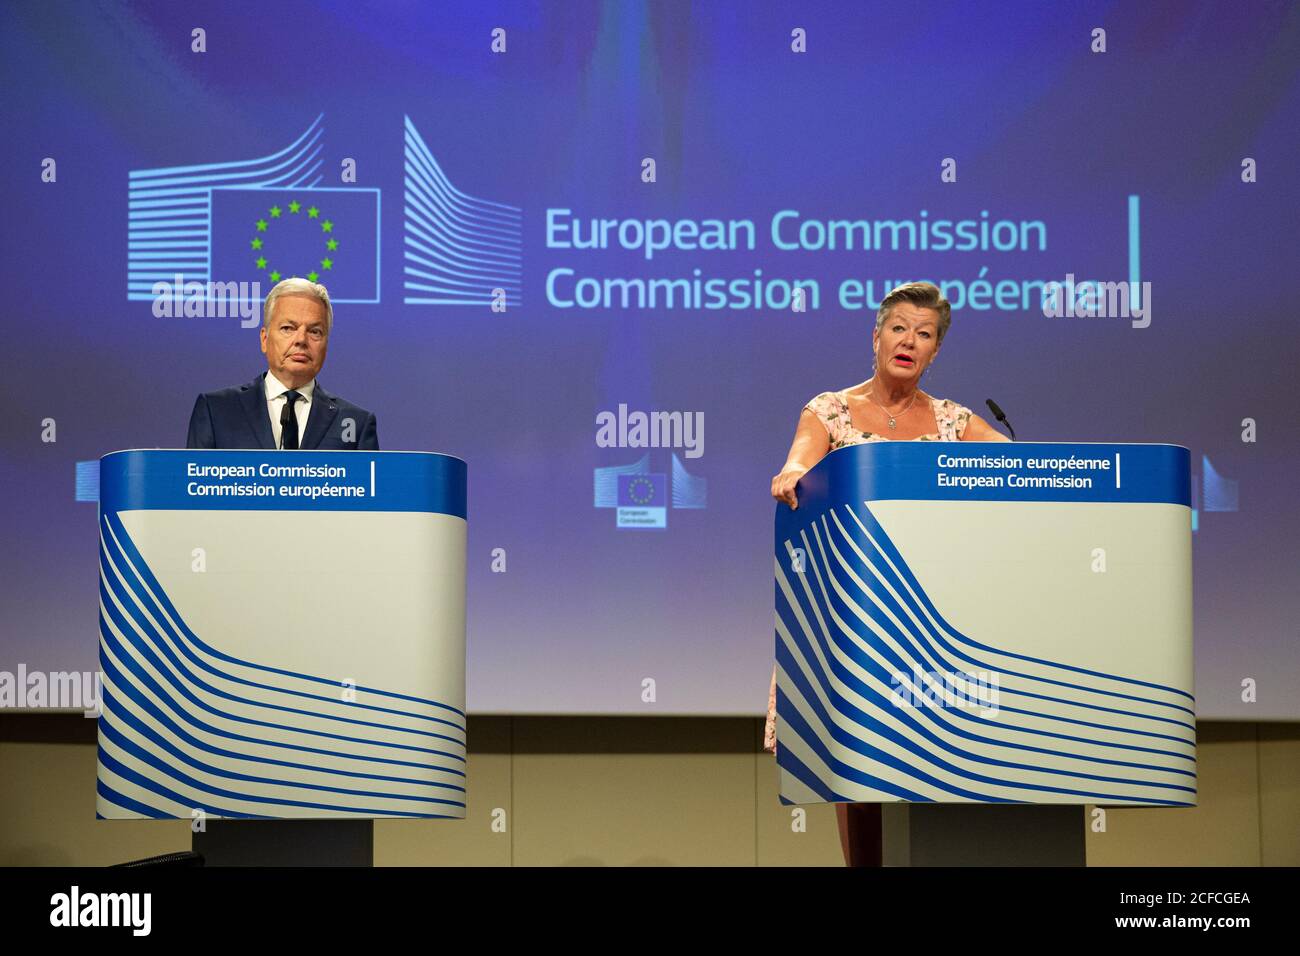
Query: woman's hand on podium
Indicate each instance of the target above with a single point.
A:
(810, 445)
(783, 484)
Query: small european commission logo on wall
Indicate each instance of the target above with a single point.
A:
(642, 501)
(641, 498)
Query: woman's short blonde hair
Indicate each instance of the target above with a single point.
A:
(923, 294)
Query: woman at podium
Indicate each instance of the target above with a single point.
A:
(911, 324)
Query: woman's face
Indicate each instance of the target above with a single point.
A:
(907, 342)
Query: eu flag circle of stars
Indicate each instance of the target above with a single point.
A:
(295, 209)
(640, 490)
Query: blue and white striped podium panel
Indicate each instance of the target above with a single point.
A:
(282, 635)
(987, 623)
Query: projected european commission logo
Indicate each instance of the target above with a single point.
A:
(641, 498)
(231, 230)
(325, 235)
(459, 249)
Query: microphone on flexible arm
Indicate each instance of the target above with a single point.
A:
(998, 414)
(284, 423)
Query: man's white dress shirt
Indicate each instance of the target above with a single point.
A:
(275, 402)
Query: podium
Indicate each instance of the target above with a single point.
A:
(1004, 626)
(282, 638)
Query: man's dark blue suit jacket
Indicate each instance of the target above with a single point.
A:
(237, 418)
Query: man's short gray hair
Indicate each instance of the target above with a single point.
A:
(299, 286)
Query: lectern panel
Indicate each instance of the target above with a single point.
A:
(282, 635)
(987, 623)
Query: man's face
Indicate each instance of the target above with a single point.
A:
(295, 339)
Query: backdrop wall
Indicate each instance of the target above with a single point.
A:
(524, 171)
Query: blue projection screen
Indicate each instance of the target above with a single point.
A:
(652, 189)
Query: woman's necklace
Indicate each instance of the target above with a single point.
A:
(893, 418)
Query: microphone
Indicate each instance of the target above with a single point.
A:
(284, 423)
(998, 414)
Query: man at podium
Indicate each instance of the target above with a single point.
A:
(285, 406)
(889, 406)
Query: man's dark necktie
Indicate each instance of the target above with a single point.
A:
(289, 422)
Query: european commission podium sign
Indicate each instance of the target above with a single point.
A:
(987, 623)
(282, 634)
